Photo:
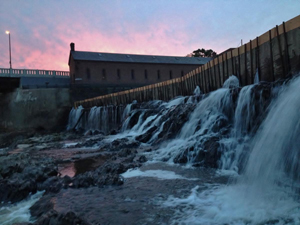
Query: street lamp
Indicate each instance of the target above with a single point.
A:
(7, 32)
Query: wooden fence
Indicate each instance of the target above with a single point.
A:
(275, 54)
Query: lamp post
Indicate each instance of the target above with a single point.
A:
(7, 32)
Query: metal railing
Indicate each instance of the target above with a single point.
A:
(4, 72)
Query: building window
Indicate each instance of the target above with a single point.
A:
(88, 73)
(146, 75)
(132, 74)
(103, 74)
(182, 73)
(171, 74)
(158, 74)
(119, 74)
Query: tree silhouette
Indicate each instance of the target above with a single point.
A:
(204, 53)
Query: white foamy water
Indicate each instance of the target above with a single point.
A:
(221, 205)
(267, 193)
(256, 77)
(263, 157)
(205, 116)
(19, 212)
(74, 118)
(232, 81)
(159, 174)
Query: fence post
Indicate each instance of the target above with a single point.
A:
(280, 52)
(251, 64)
(257, 58)
(271, 55)
(288, 65)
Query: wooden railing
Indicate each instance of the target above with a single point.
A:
(4, 72)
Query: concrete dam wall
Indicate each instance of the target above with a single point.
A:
(46, 108)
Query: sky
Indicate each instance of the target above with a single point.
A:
(42, 30)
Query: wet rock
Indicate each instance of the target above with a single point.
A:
(210, 154)
(113, 132)
(55, 184)
(23, 174)
(205, 154)
(182, 157)
(142, 159)
(53, 217)
(123, 143)
(118, 142)
(127, 152)
(134, 118)
(147, 135)
(174, 121)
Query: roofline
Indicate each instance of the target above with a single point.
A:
(132, 54)
(186, 64)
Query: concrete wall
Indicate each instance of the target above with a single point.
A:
(35, 109)
(275, 54)
(44, 82)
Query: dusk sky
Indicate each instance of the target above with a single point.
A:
(41, 30)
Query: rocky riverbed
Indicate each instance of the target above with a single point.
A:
(228, 157)
(81, 179)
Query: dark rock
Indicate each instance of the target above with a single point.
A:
(210, 154)
(142, 159)
(41, 206)
(54, 218)
(23, 174)
(113, 132)
(134, 118)
(206, 154)
(126, 152)
(147, 135)
(174, 120)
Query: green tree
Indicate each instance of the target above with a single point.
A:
(204, 53)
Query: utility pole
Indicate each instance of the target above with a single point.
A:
(10, 66)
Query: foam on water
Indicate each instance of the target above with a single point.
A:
(232, 81)
(197, 91)
(256, 77)
(19, 212)
(220, 205)
(264, 161)
(268, 191)
(208, 112)
(159, 174)
(74, 117)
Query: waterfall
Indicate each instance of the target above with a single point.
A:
(232, 81)
(256, 77)
(251, 132)
(276, 146)
(267, 191)
(74, 116)
(97, 119)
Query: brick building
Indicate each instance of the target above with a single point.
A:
(111, 72)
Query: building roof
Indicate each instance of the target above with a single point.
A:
(132, 58)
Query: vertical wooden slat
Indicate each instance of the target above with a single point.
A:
(219, 71)
(280, 52)
(251, 64)
(257, 58)
(288, 65)
(246, 69)
(271, 56)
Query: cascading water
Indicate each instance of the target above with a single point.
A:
(74, 116)
(276, 146)
(230, 129)
(268, 191)
(104, 118)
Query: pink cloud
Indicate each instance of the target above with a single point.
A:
(42, 32)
